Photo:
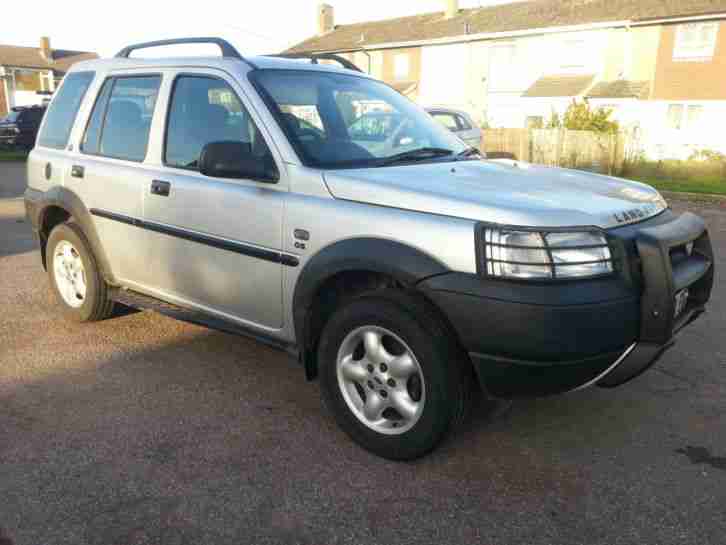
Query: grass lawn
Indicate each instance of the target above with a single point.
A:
(6, 155)
(713, 185)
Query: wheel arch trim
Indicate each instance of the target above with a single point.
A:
(403, 263)
(69, 201)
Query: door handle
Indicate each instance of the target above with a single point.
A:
(77, 171)
(160, 188)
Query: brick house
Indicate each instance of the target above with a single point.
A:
(658, 64)
(28, 75)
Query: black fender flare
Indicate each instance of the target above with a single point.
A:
(69, 201)
(399, 261)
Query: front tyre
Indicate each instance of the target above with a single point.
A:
(74, 275)
(392, 374)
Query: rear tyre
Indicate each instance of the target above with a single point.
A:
(392, 375)
(74, 275)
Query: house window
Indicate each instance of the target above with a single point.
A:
(401, 66)
(696, 41)
(27, 80)
(694, 114)
(682, 117)
(675, 116)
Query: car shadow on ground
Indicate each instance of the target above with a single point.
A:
(154, 440)
(15, 228)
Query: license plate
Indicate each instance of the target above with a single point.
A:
(681, 300)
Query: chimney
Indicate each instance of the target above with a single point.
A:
(452, 8)
(45, 50)
(326, 19)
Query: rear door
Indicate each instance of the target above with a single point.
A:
(108, 169)
(215, 243)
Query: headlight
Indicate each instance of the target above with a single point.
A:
(533, 254)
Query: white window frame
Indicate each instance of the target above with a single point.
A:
(683, 51)
(685, 122)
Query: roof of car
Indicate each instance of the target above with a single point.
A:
(222, 63)
(446, 109)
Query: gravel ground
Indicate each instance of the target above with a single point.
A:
(144, 430)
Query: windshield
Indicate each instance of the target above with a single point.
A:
(345, 121)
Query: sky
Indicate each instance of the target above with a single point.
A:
(253, 26)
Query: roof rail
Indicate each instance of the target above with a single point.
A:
(315, 57)
(226, 48)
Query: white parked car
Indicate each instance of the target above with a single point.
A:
(459, 122)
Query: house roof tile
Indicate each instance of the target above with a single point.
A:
(620, 89)
(30, 57)
(560, 86)
(528, 15)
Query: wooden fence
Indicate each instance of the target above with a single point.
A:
(604, 153)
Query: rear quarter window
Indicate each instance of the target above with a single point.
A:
(63, 110)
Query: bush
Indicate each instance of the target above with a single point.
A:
(580, 116)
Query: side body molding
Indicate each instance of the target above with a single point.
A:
(405, 264)
(38, 203)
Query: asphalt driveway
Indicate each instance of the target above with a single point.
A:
(143, 430)
(12, 179)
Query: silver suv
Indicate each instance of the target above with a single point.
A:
(388, 257)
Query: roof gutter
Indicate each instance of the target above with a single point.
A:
(685, 19)
(466, 38)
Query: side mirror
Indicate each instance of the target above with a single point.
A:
(235, 160)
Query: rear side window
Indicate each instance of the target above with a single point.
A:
(63, 110)
(204, 110)
(121, 119)
(463, 123)
(447, 120)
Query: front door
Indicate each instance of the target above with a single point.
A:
(214, 243)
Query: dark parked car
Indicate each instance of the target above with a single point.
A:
(20, 127)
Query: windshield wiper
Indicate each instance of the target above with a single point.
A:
(470, 152)
(416, 155)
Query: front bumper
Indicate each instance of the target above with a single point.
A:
(9, 141)
(534, 339)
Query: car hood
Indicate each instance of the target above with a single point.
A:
(511, 193)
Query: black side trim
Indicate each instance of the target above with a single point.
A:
(207, 240)
(144, 302)
(116, 217)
